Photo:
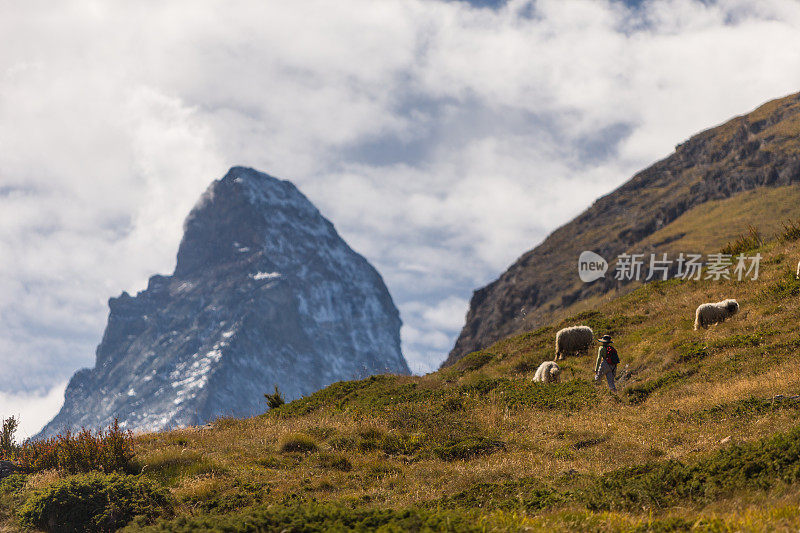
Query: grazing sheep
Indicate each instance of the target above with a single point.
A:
(798, 271)
(710, 314)
(548, 372)
(574, 340)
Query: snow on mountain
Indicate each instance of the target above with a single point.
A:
(265, 292)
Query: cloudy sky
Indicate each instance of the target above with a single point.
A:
(443, 139)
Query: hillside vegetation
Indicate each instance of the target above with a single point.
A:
(757, 154)
(702, 434)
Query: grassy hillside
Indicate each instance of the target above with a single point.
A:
(703, 432)
(757, 153)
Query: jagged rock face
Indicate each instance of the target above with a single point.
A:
(761, 149)
(264, 293)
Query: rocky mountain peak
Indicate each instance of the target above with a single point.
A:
(265, 292)
(235, 214)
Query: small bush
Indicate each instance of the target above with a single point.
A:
(743, 340)
(787, 286)
(321, 433)
(759, 465)
(375, 391)
(213, 502)
(169, 464)
(529, 494)
(298, 443)
(524, 394)
(473, 361)
(326, 517)
(335, 461)
(481, 385)
(691, 351)
(744, 408)
(381, 468)
(791, 230)
(744, 243)
(13, 483)
(395, 443)
(468, 448)
(94, 502)
(343, 442)
(269, 462)
(370, 439)
(453, 405)
(524, 366)
(639, 393)
(107, 451)
(275, 399)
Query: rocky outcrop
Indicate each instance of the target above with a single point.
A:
(6, 469)
(761, 149)
(264, 293)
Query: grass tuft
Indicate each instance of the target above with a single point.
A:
(745, 242)
(791, 230)
(298, 443)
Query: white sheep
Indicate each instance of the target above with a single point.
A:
(548, 372)
(710, 314)
(798, 271)
(574, 340)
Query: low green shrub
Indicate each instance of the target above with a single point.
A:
(467, 448)
(369, 439)
(381, 468)
(399, 443)
(525, 365)
(787, 286)
(167, 465)
(453, 404)
(94, 502)
(335, 461)
(13, 483)
(745, 408)
(570, 395)
(791, 230)
(473, 361)
(374, 394)
(480, 385)
(745, 242)
(298, 443)
(343, 443)
(759, 465)
(315, 517)
(275, 399)
(637, 394)
(691, 351)
(526, 494)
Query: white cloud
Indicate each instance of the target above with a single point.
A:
(442, 141)
(32, 411)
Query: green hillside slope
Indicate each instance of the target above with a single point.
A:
(755, 152)
(703, 432)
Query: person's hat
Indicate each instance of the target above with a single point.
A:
(606, 339)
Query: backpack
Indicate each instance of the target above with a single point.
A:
(611, 356)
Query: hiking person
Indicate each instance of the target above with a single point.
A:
(607, 361)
